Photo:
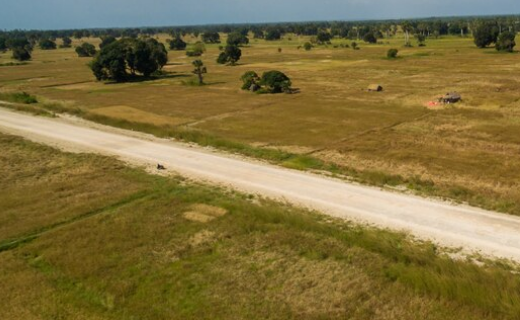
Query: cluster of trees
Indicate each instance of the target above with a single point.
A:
(232, 53)
(270, 82)
(127, 58)
(487, 33)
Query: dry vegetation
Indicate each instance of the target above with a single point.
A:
(467, 152)
(93, 239)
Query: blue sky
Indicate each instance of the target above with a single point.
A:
(64, 14)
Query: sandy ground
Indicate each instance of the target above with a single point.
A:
(489, 233)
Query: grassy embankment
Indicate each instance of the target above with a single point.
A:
(84, 237)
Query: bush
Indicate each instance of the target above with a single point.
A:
(275, 81)
(354, 46)
(86, 50)
(392, 53)
(18, 97)
(47, 44)
(66, 42)
(506, 41)
(196, 50)
(307, 46)
(105, 41)
(249, 78)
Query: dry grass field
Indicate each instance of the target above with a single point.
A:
(84, 237)
(467, 152)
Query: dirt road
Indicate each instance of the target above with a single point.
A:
(491, 233)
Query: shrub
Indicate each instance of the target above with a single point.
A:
(47, 44)
(370, 38)
(211, 37)
(392, 53)
(276, 81)
(354, 46)
(196, 50)
(307, 46)
(66, 42)
(249, 78)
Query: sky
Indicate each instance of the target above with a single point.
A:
(73, 14)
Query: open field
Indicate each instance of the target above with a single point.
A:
(166, 248)
(468, 152)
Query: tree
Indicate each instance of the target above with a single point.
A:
(407, 29)
(21, 54)
(485, 34)
(66, 42)
(506, 41)
(177, 44)
(307, 46)
(199, 70)
(323, 37)
(392, 53)
(237, 39)
(230, 55)
(273, 34)
(421, 39)
(47, 44)
(275, 81)
(86, 50)
(105, 41)
(211, 37)
(3, 44)
(137, 56)
(196, 50)
(249, 79)
(370, 37)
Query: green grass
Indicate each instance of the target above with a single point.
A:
(18, 97)
(134, 255)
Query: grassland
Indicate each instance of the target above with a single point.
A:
(467, 152)
(84, 237)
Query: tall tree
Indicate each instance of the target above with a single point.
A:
(199, 70)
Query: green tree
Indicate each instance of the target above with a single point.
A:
(275, 81)
(21, 54)
(66, 42)
(142, 57)
(86, 50)
(196, 50)
(249, 79)
(323, 37)
(421, 39)
(370, 38)
(105, 41)
(177, 43)
(231, 55)
(307, 46)
(199, 70)
(3, 44)
(485, 34)
(273, 34)
(211, 37)
(47, 44)
(237, 39)
(506, 41)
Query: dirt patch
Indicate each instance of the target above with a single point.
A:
(204, 213)
(202, 237)
(136, 115)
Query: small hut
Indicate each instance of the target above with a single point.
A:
(450, 97)
(375, 88)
